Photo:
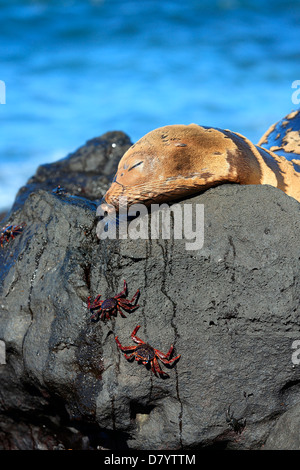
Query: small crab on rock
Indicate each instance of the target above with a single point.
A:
(107, 308)
(147, 355)
(9, 232)
(237, 424)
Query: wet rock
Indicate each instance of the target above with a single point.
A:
(231, 309)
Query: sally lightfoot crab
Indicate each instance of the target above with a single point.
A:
(237, 424)
(147, 355)
(9, 232)
(113, 305)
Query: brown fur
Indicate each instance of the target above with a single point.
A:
(176, 161)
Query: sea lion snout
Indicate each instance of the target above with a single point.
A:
(131, 170)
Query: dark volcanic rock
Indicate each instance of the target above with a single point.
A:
(231, 309)
(285, 434)
(86, 172)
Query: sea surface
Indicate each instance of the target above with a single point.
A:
(74, 70)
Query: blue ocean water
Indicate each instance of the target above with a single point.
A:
(76, 69)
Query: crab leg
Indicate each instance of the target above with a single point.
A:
(124, 294)
(125, 304)
(161, 355)
(105, 314)
(97, 307)
(165, 361)
(157, 369)
(102, 316)
(124, 291)
(120, 311)
(94, 315)
(134, 298)
(165, 357)
(129, 357)
(135, 338)
(125, 348)
(96, 300)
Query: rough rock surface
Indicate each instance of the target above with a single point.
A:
(231, 309)
(285, 435)
(86, 172)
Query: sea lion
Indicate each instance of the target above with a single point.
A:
(177, 161)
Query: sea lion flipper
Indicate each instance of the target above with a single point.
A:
(283, 138)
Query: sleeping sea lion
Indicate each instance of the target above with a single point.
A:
(177, 161)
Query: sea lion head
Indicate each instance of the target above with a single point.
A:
(168, 163)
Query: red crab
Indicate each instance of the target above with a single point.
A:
(145, 354)
(113, 305)
(9, 232)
